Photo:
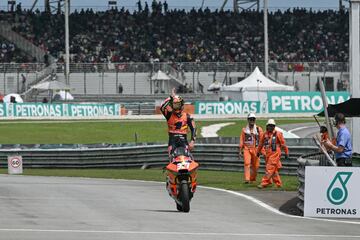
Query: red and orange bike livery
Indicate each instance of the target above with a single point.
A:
(181, 178)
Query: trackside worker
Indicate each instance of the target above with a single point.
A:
(324, 133)
(325, 136)
(273, 141)
(249, 140)
(178, 122)
(343, 147)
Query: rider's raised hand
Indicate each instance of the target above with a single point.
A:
(173, 92)
(191, 145)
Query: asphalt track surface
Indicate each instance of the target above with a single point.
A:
(55, 208)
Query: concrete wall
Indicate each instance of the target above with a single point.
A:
(106, 83)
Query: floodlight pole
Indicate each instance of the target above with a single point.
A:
(67, 51)
(325, 104)
(354, 48)
(354, 67)
(266, 40)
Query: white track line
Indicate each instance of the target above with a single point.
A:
(300, 128)
(211, 130)
(287, 134)
(179, 233)
(274, 210)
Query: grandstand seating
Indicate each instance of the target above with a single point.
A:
(180, 36)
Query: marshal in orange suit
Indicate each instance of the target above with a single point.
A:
(273, 141)
(249, 140)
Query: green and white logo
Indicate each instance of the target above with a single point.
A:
(301, 102)
(337, 192)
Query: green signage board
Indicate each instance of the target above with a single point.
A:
(301, 102)
(59, 110)
(229, 107)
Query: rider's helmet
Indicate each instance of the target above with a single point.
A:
(177, 104)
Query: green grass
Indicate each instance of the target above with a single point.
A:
(235, 129)
(219, 179)
(86, 132)
(82, 132)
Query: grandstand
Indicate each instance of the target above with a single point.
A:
(195, 48)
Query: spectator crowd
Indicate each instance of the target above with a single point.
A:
(157, 33)
(9, 53)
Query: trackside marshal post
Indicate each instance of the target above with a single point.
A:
(15, 165)
(332, 192)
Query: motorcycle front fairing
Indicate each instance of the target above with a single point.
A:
(181, 168)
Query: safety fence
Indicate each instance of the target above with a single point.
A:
(207, 67)
(106, 78)
(211, 156)
(181, 66)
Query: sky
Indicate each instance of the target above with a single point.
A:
(188, 4)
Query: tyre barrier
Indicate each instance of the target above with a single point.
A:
(313, 159)
(210, 156)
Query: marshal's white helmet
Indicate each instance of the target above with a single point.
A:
(251, 115)
(271, 122)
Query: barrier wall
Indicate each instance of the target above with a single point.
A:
(59, 110)
(212, 154)
(276, 102)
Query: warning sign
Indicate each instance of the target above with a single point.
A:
(15, 165)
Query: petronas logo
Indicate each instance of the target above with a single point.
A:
(337, 192)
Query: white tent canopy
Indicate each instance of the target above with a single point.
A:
(215, 86)
(256, 81)
(51, 85)
(17, 97)
(160, 82)
(160, 76)
(63, 95)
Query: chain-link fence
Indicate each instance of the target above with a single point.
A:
(208, 67)
(134, 78)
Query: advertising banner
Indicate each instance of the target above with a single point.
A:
(332, 192)
(40, 110)
(230, 107)
(302, 102)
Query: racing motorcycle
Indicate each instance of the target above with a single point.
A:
(181, 178)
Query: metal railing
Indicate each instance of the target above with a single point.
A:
(21, 67)
(85, 76)
(218, 155)
(206, 67)
(17, 77)
(173, 68)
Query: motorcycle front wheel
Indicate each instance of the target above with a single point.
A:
(184, 196)
(178, 207)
